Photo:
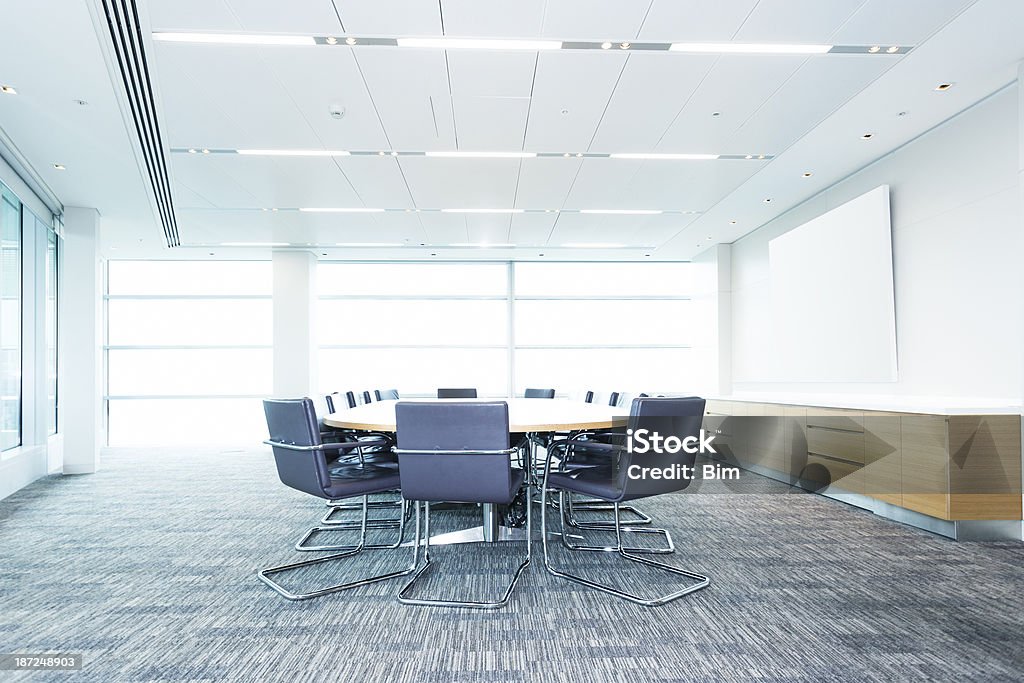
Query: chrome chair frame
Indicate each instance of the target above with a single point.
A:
(265, 575)
(403, 595)
(701, 580)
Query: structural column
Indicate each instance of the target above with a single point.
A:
(80, 340)
(295, 348)
(712, 338)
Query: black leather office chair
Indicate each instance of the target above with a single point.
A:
(302, 465)
(386, 394)
(456, 452)
(456, 393)
(539, 393)
(588, 397)
(680, 417)
(367, 398)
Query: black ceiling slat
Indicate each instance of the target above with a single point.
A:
(129, 47)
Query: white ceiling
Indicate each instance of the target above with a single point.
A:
(807, 111)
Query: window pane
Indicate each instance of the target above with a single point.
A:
(142, 372)
(602, 279)
(51, 330)
(423, 279)
(10, 320)
(628, 370)
(361, 321)
(602, 322)
(414, 371)
(190, 277)
(187, 322)
(194, 422)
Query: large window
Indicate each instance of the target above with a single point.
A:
(188, 351)
(10, 320)
(504, 327)
(413, 326)
(51, 330)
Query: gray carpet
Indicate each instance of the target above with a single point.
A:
(148, 569)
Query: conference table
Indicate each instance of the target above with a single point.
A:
(534, 416)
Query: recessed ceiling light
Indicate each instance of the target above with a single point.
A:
(807, 174)
(646, 254)
(480, 44)
(565, 112)
(59, 167)
(760, 156)
(767, 200)
(331, 40)
(579, 154)
(8, 90)
(481, 155)
(874, 48)
(623, 212)
(732, 222)
(394, 154)
(749, 156)
(481, 210)
(380, 154)
(353, 209)
(294, 152)
(232, 38)
(433, 254)
(943, 86)
(350, 41)
(867, 136)
(893, 49)
(206, 151)
(606, 45)
(716, 113)
(901, 114)
(623, 46)
(656, 156)
(752, 48)
(81, 103)
(254, 244)
(191, 151)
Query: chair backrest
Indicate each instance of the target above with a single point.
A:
(678, 417)
(366, 397)
(539, 393)
(588, 397)
(613, 399)
(350, 399)
(293, 422)
(454, 451)
(334, 402)
(456, 393)
(386, 394)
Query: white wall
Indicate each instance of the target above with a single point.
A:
(957, 257)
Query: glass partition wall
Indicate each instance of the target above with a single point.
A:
(10, 320)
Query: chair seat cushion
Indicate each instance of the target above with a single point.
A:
(349, 480)
(599, 481)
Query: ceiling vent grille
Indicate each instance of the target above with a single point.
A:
(126, 35)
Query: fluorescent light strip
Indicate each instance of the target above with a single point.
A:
(751, 48)
(233, 38)
(340, 209)
(593, 245)
(481, 245)
(481, 155)
(369, 244)
(480, 44)
(623, 212)
(668, 156)
(293, 152)
(482, 210)
(255, 244)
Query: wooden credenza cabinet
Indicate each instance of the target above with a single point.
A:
(950, 467)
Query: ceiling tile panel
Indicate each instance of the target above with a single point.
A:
(490, 229)
(532, 228)
(316, 17)
(192, 15)
(491, 123)
(908, 22)
(545, 182)
(796, 21)
(601, 184)
(578, 83)
(639, 113)
(694, 20)
(461, 183)
(392, 18)
(686, 185)
(444, 228)
(226, 96)
(410, 89)
(735, 87)
(491, 73)
(615, 20)
(378, 181)
(498, 18)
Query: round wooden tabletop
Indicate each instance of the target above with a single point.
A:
(524, 415)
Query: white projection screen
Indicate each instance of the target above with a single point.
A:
(833, 309)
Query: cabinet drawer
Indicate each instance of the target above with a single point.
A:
(838, 444)
(847, 420)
